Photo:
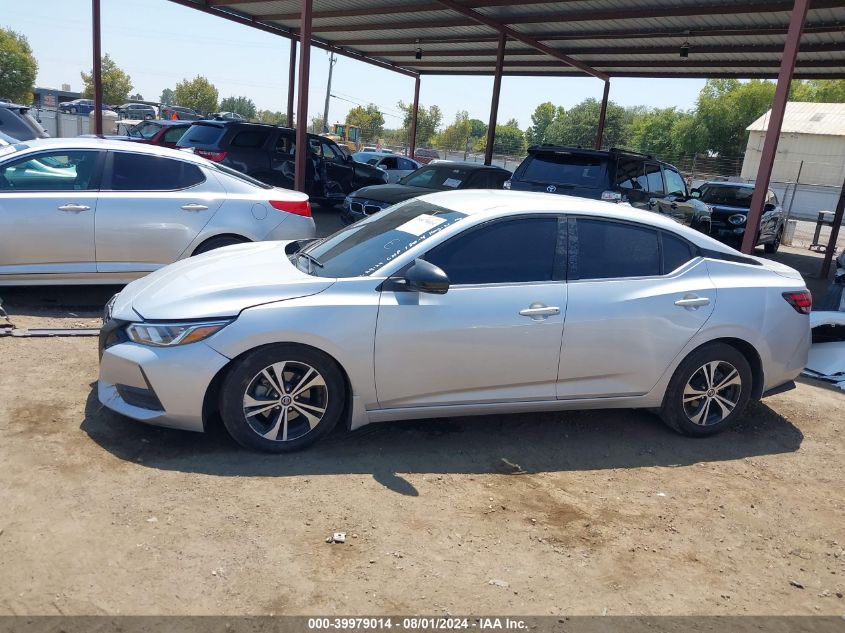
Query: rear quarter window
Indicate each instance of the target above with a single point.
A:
(250, 138)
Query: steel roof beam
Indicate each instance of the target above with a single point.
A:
(516, 35)
(591, 35)
(762, 63)
(638, 74)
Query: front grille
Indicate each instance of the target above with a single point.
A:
(365, 207)
(138, 397)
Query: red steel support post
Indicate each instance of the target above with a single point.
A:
(302, 145)
(97, 71)
(414, 113)
(834, 233)
(494, 103)
(770, 144)
(291, 81)
(602, 115)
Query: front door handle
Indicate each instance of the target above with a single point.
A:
(692, 302)
(72, 207)
(539, 311)
(192, 206)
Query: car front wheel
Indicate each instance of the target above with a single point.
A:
(708, 391)
(281, 398)
(772, 247)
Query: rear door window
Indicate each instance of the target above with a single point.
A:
(654, 179)
(675, 183)
(144, 172)
(629, 174)
(565, 169)
(609, 250)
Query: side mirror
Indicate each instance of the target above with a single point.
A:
(422, 276)
(694, 193)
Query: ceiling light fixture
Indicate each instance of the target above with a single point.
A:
(685, 49)
(418, 53)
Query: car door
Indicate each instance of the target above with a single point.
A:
(654, 185)
(337, 169)
(637, 296)
(494, 336)
(48, 203)
(390, 164)
(282, 165)
(151, 208)
(770, 218)
(676, 203)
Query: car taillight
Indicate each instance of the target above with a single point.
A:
(297, 207)
(210, 154)
(801, 301)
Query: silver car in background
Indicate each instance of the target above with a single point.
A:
(82, 211)
(457, 303)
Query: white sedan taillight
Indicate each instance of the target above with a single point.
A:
(297, 207)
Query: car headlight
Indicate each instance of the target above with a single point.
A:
(172, 334)
(346, 202)
(737, 219)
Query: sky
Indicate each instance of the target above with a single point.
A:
(158, 43)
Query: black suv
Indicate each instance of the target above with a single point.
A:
(614, 175)
(266, 152)
(17, 122)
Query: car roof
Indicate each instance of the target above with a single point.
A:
(492, 203)
(103, 144)
(466, 165)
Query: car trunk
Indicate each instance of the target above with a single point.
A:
(567, 173)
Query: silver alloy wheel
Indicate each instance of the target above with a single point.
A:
(285, 400)
(712, 393)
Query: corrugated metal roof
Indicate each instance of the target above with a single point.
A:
(630, 38)
(807, 118)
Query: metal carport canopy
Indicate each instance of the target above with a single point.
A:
(631, 38)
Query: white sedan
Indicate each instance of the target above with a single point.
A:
(457, 303)
(90, 210)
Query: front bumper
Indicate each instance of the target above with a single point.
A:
(159, 385)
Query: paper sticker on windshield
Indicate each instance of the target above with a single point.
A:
(420, 224)
(452, 182)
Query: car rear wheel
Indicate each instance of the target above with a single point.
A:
(281, 398)
(773, 246)
(218, 242)
(708, 391)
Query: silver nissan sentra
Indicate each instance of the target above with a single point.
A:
(456, 303)
(88, 210)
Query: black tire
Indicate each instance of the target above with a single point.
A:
(247, 375)
(73, 110)
(772, 247)
(218, 242)
(679, 415)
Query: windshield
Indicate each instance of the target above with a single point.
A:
(565, 169)
(728, 195)
(144, 130)
(362, 248)
(440, 177)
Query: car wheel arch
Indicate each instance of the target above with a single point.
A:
(205, 239)
(211, 406)
(751, 355)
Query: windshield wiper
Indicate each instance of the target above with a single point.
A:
(311, 259)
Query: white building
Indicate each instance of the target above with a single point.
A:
(812, 142)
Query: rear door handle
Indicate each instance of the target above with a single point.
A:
(692, 302)
(539, 311)
(72, 207)
(192, 206)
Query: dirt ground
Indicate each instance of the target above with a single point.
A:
(602, 512)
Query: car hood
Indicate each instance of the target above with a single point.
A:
(726, 208)
(219, 283)
(390, 193)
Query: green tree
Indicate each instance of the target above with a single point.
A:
(578, 126)
(17, 67)
(819, 90)
(478, 128)
(197, 93)
(116, 83)
(656, 132)
(725, 107)
(239, 105)
(456, 136)
(369, 119)
(168, 97)
(273, 118)
(316, 126)
(509, 139)
(428, 122)
(544, 115)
